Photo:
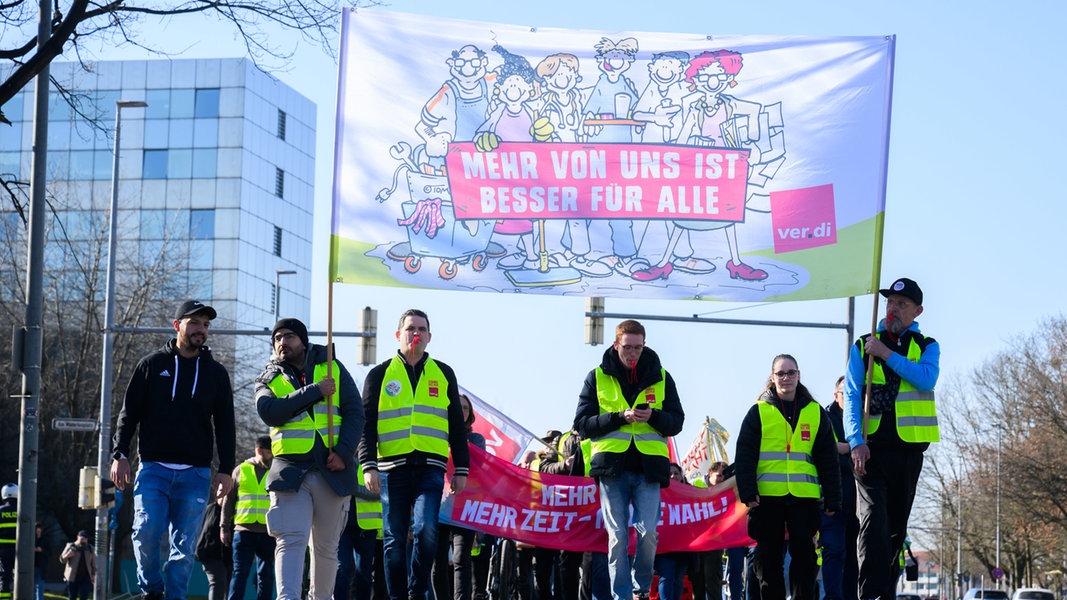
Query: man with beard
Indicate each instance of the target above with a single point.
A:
(313, 408)
(889, 433)
(180, 402)
(628, 408)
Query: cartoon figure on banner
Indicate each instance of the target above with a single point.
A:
(715, 119)
(511, 119)
(459, 106)
(608, 109)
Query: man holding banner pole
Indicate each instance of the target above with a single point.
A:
(901, 422)
(628, 408)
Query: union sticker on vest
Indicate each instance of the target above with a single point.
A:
(650, 397)
(393, 387)
(805, 432)
(433, 388)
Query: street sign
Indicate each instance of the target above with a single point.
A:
(998, 573)
(74, 424)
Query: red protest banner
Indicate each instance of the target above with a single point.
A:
(558, 511)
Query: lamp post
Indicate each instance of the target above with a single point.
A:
(998, 505)
(103, 583)
(278, 290)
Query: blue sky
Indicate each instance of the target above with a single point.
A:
(972, 211)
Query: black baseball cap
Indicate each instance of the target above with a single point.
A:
(83, 533)
(904, 287)
(191, 307)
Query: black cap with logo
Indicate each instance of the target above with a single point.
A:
(904, 287)
(191, 307)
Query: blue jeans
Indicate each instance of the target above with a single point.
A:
(735, 571)
(356, 552)
(167, 500)
(616, 495)
(411, 496)
(671, 568)
(248, 546)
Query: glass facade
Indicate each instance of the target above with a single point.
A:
(195, 186)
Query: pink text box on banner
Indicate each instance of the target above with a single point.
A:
(601, 181)
(803, 218)
(563, 512)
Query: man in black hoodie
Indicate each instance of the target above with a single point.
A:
(315, 415)
(180, 402)
(628, 408)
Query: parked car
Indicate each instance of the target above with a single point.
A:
(985, 594)
(1033, 594)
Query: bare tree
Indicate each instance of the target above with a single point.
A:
(118, 23)
(1004, 433)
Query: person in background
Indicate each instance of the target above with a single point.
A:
(244, 523)
(213, 552)
(80, 567)
(672, 566)
(41, 554)
(786, 468)
(458, 540)
(838, 533)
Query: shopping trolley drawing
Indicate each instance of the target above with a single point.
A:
(430, 220)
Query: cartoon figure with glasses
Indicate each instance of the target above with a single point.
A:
(459, 106)
(716, 119)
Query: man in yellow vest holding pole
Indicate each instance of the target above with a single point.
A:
(244, 522)
(315, 415)
(628, 408)
(414, 419)
(889, 440)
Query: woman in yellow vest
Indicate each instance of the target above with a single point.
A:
(786, 469)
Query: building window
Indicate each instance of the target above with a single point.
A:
(207, 103)
(281, 124)
(202, 223)
(154, 165)
(279, 182)
(277, 241)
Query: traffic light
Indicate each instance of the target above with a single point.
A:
(87, 479)
(594, 326)
(368, 344)
(107, 493)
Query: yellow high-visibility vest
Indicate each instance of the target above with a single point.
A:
(786, 466)
(252, 498)
(368, 512)
(413, 419)
(648, 440)
(298, 435)
(915, 409)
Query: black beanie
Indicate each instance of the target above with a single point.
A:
(293, 325)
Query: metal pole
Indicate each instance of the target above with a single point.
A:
(33, 343)
(851, 330)
(278, 291)
(998, 505)
(103, 582)
(959, 536)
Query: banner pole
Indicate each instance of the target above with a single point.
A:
(879, 233)
(329, 364)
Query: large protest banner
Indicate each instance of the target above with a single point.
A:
(563, 512)
(500, 158)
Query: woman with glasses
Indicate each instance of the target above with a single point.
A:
(786, 472)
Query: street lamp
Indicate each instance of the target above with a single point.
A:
(998, 505)
(104, 459)
(278, 290)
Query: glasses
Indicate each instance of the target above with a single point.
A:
(704, 77)
(632, 348)
(790, 374)
(284, 336)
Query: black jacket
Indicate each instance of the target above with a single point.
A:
(667, 420)
(823, 452)
(287, 470)
(457, 427)
(178, 423)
